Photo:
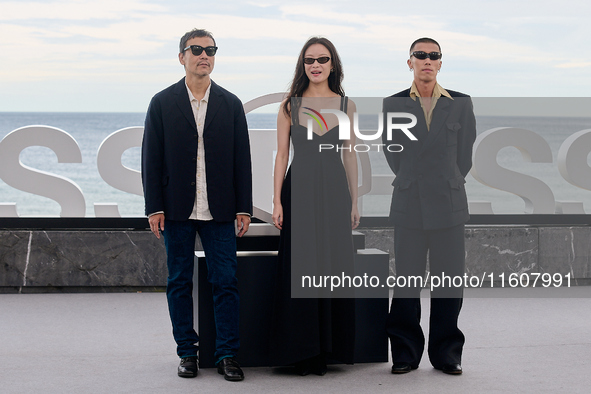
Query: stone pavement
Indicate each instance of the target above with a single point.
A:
(122, 343)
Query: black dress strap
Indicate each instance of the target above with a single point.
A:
(344, 103)
(295, 110)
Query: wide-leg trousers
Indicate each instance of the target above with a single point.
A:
(445, 248)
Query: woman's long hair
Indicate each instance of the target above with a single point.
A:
(300, 79)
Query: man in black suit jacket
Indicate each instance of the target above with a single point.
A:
(196, 173)
(429, 208)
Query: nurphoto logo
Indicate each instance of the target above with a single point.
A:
(345, 126)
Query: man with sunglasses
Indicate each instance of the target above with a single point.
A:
(429, 208)
(196, 173)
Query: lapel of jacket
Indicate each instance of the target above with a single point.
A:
(420, 130)
(182, 101)
(440, 113)
(215, 100)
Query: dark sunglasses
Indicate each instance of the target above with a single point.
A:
(423, 55)
(321, 60)
(198, 50)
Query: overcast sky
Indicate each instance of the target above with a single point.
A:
(114, 55)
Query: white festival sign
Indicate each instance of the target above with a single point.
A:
(538, 197)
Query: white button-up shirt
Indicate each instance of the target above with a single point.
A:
(201, 206)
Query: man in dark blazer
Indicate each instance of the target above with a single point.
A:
(196, 173)
(429, 208)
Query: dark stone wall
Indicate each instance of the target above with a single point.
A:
(514, 249)
(137, 259)
(81, 259)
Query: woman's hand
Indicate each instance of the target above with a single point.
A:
(278, 216)
(354, 217)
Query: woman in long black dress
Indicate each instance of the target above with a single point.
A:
(315, 207)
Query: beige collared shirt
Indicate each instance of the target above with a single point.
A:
(438, 91)
(201, 206)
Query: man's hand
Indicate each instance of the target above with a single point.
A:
(242, 223)
(156, 224)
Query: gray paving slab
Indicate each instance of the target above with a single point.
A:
(520, 340)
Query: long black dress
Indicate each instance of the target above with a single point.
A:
(316, 234)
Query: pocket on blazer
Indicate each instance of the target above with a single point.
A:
(459, 201)
(452, 133)
(401, 194)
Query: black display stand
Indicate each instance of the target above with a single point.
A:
(255, 275)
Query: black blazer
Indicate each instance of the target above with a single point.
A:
(169, 154)
(429, 188)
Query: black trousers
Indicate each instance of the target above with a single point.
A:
(445, 248)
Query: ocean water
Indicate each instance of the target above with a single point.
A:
(90, 129)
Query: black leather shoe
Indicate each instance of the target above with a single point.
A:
(303, 368)
(188, 367)
(230, 369)
(452, 369)
(399, 368)
(319, 365)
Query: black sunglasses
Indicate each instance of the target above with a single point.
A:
(423, 55)
(321, 60)
(198, 50)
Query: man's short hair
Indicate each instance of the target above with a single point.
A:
(425, 40)
(192, 34)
